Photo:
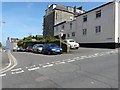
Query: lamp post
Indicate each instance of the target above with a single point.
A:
(60, 36)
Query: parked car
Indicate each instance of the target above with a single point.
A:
(51, 48)
(20, 49)
(29, 49)
(73, 44)
(37, 48)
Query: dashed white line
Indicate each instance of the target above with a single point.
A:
(17, 72)
(31, 69)
(71, 60)
(1, 75)
(47, 65)
(60, 62)
(16, 69)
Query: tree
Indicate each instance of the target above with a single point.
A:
(0, 44)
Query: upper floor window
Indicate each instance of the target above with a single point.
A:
(85, 18)
(73, 34)
(63, 27)
(84, 31)
(70, 25)
(68, 35)
(97, 29)
(98, 13)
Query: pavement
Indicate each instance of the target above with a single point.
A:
(4, 60)
(83, 68)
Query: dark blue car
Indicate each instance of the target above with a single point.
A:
(51, 48)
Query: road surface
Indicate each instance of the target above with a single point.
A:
(83, 68)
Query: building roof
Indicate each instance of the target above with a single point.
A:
(59, 23)
(96, 8)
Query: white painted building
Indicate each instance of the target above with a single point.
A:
(11, 43)
(99, 27)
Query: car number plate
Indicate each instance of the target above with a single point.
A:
(57, 50)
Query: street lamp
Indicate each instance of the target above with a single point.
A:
(60, 36)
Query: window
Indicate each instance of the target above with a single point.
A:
(84, 31)
(70, 25)
(68, 35)
(85, 18)
(98, 13)
(97, 29)
(63, 27)
(73, 34)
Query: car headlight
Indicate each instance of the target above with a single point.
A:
(61, 49)
(53, 49)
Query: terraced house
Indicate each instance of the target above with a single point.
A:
(99, 27)
(56, 14)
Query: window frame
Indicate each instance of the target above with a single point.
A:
(73, 34)
(98, 14)
(84, 31)
(98, 29)
(70, 25)
(85, 18)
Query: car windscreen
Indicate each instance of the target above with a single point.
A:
(71, 41)
(40, 46)
(53, 45)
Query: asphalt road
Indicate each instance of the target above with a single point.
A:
(83, 68)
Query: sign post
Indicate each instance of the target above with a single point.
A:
(60, 36)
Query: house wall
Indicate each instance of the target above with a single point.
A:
(61, 16)
(106, 21)
(109, 22)
(48, 25)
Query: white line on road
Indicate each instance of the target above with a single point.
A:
(60, 63)
(50, 65)
(18, 72)
(71, 60)
(16, 69)
(1, 75)
(31, 69)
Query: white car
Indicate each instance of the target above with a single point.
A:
(37, 48)
(73, 44)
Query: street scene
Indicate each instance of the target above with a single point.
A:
(55, 45)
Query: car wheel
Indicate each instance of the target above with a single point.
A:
(77, 47)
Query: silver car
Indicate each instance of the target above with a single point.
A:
(37, 48)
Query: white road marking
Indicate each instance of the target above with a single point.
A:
(31, 66)
(89, 57)
(31, 69)
(47, 65)
(1, 75)
(60, 62)
(71, 61)
(76, 58)
(16, 69)
(18, 72)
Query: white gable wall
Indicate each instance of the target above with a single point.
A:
(106, 21)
